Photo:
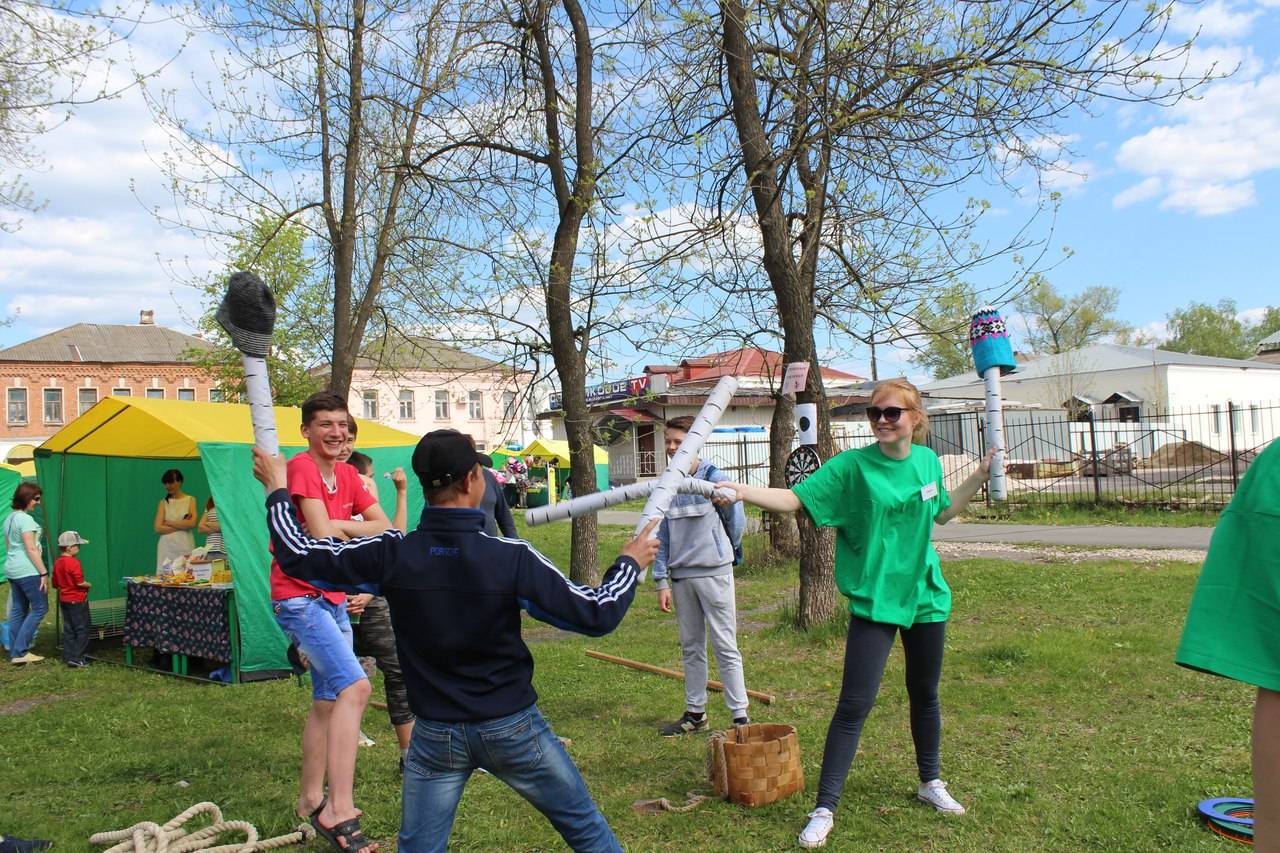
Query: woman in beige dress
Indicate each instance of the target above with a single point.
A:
(175, 519)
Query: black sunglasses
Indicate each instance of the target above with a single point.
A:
(889, 413)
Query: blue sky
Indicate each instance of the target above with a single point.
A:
(1168, 205)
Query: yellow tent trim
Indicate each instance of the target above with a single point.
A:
(140, 427)
(550, 448)
(17, 469)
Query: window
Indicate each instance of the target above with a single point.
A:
(187, 394)
(17, 408)
(53, 405)
(155, 393)
(1217, 419)
(475, 406)
(217, 395)
(1235, 418)
(121, 392)
(1255, 418)
(1129, 414)
(406, 404)
(370, 400)
(508, 406)
(480, 446)
(85, 399)
(442, 405)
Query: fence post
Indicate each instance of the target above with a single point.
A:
(1231, 433)
(1097, 461)
(981, 422)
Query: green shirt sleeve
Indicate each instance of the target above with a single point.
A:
(825, 492)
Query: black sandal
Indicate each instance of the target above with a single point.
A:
(347, 830)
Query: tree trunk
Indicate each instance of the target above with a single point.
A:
(569, 346)
(784, 537)
(793, 293)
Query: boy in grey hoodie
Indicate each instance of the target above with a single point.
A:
(698, 541)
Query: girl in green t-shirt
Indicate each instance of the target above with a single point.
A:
(1233, 624)
(883, 501)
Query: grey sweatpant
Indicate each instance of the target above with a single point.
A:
(706, 606)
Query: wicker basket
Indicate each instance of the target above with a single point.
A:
(755, 765)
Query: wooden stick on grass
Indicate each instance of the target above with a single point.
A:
(671, 673)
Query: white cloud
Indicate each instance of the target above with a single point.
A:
(1210, 149)
(1148, 188)
(1212, 20)
(1210, 199)
(95, 252)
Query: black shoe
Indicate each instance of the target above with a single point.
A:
(77, 664)
(687, 724)
(741, 721)
(9, 844)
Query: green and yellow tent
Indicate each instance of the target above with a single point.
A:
(101, 476)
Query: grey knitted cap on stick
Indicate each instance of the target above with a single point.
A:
(248, 313)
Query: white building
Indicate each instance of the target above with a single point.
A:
(1189, 397)
(417, 385)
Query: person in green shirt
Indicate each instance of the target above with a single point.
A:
(1233, 624)
(883, 501)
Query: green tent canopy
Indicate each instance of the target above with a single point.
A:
(101, 476)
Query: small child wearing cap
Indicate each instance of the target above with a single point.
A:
(73, 598)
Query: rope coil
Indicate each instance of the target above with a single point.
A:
(150, 837)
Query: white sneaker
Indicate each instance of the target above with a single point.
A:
(935, 794)
(365, 740)
(815, 833)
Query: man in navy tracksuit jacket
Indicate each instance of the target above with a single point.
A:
(455, 595)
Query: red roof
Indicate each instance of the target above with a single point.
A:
(748, 361)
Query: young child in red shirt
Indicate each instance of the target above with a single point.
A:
(73, 598)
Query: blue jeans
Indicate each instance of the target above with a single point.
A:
(322, 632)
(522, 751)
(27, 606)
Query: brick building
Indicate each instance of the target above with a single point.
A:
(50, 380)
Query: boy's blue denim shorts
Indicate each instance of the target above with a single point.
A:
(322, 632)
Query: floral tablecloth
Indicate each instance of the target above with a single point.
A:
(190, 621)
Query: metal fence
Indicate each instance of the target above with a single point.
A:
(1176, 459)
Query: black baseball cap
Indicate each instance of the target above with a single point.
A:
(444, 456)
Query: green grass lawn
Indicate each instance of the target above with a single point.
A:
(1067, 727)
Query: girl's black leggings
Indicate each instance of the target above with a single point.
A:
(866, 652)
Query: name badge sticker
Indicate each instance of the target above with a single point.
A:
(928, 491)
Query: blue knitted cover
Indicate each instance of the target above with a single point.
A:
(989, 340)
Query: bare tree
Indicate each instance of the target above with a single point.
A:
(848, 123)
(317, 119)
(546, 129)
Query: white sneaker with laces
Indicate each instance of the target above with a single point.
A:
(815, 833)
(365, 740)
(935, 794)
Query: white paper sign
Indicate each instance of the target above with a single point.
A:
(796, 375)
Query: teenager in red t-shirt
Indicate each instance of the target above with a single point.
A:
(73, 598)
(327, 494)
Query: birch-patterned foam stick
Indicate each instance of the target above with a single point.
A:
(597, 501)
(993, 358)
(248, 314)
(678, 467)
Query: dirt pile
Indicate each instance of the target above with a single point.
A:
(1184, 454)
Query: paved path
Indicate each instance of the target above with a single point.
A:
(1099, 535)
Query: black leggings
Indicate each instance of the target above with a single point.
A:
(865, 654)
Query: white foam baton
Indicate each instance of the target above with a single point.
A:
(680, 463)
(597, 501)
(248, 314)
